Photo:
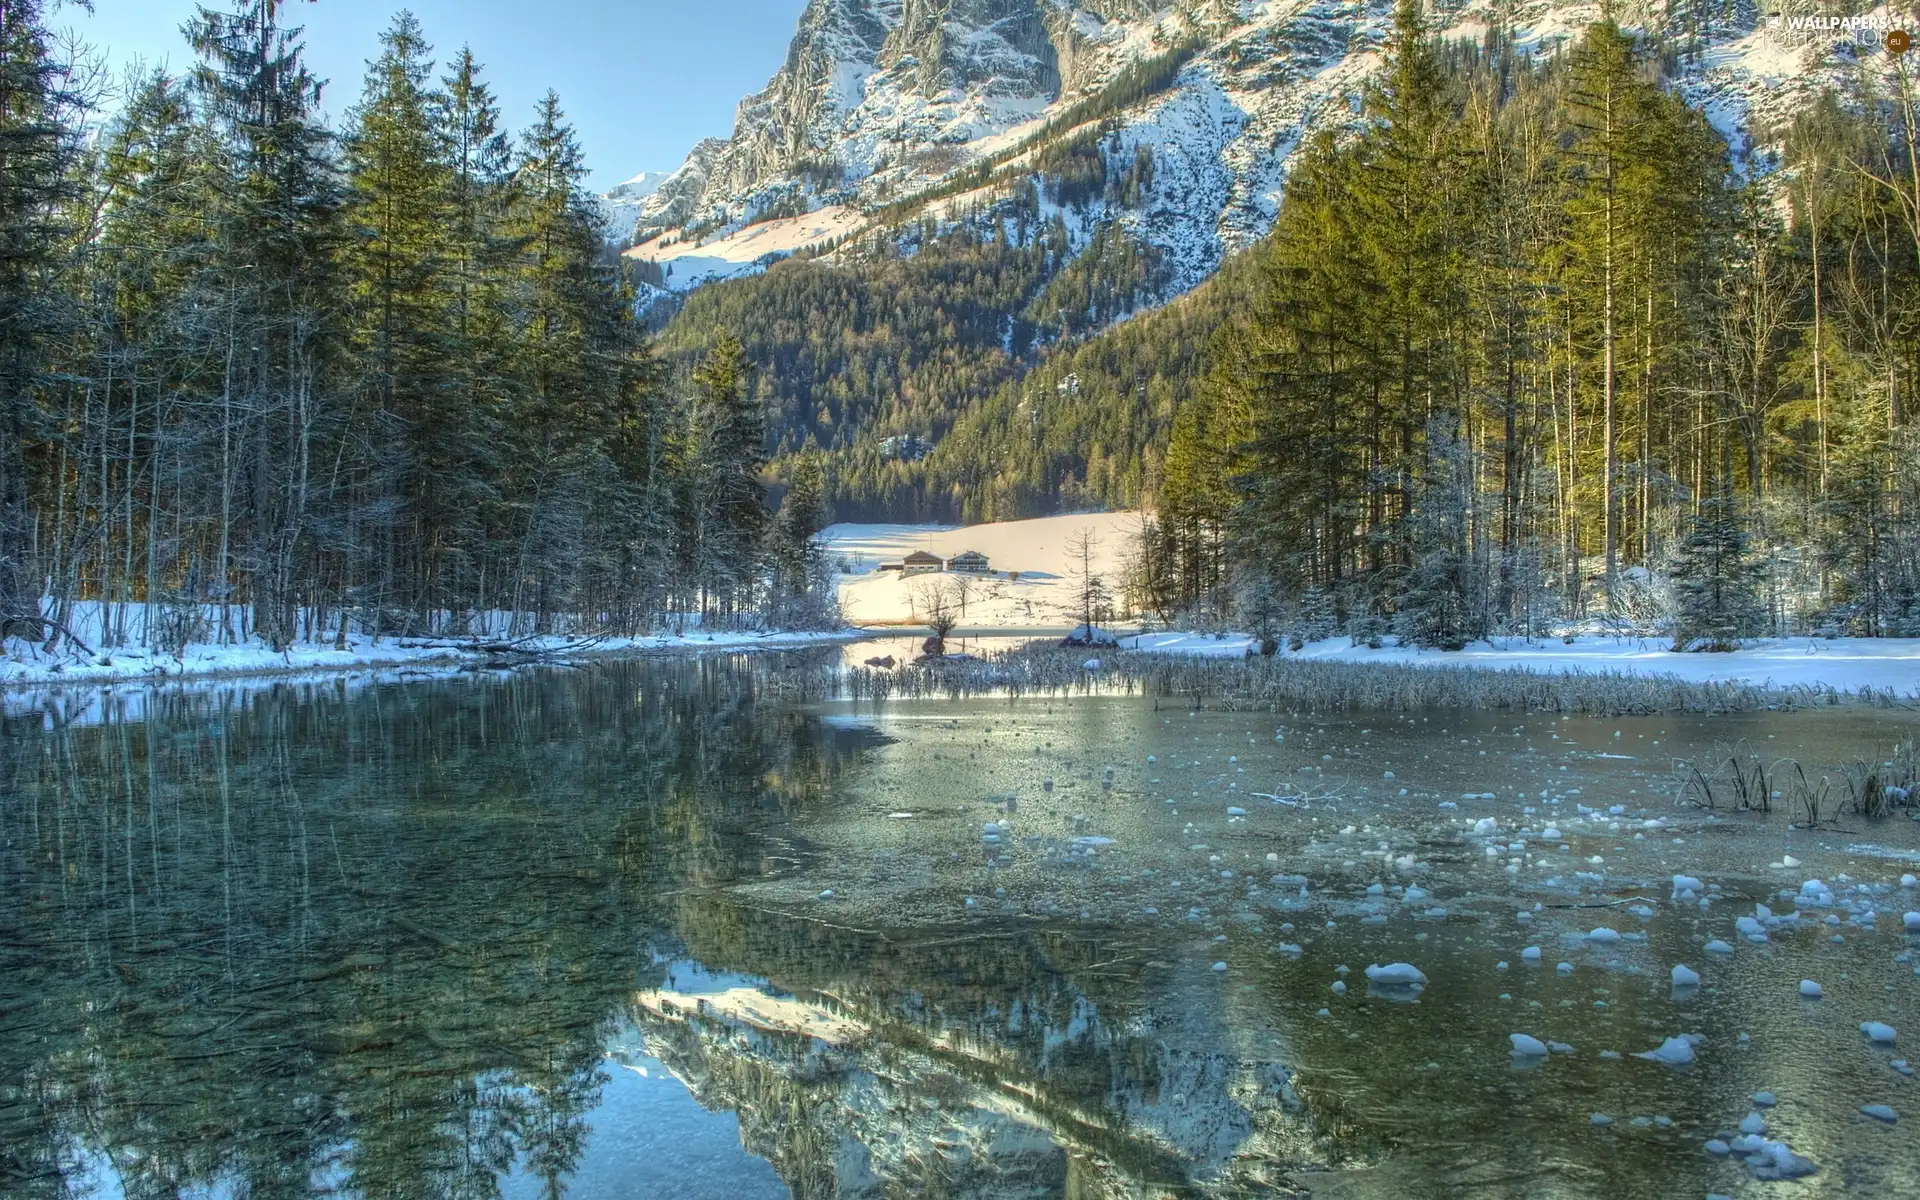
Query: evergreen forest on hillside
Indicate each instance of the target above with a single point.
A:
(1526, 345)
(387, 377)
(1530, 349)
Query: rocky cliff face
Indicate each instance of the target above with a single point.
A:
(891, 109)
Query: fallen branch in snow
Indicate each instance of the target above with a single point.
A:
(15, 627)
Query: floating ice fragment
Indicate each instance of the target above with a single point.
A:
(1776, 1160)
(1236, 812)
(1716, 946)
(1564, 968)
(1339, 987)
(1603, 936)
(1527, 1046)
(1910, 881)
(1810, 989)
(1675, 1052)
(1911, 921)
(1687, 883)
(1599, 1119)
(1531, 954)
(1396, 975)
(827, 894)
(1815, 894)
(1550, 834)
(1753, 1123)
(1219, 966)
(1717, 1148)
(1878, 1031)
(1485, 825)
(1880, 1112)
(1764, 1100)
(1685, 976)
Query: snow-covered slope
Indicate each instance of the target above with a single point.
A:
(1032, 581)
(880, 101)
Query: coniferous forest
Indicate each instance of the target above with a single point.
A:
(1529, 348)
(386, 374)
(1528, 344)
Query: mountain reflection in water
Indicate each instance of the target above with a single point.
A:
(556, 932)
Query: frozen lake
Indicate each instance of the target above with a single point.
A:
(685, 928)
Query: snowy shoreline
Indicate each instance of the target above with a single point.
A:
(255, 661)
(1848, 665)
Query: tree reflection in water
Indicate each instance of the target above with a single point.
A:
(295, 939)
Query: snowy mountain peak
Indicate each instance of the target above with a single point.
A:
(620, 204)
(887, 109)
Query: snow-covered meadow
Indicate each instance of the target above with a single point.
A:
(1031, 585)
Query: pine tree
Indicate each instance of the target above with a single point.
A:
(37, 146)
(1716, 597)
(721, 510)
(1442, 601)
(274, 282)
(397, 261)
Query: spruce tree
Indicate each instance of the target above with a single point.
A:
(1716, 597)
(274, 281)
(397, 261)
(37, 145)
(720, 451)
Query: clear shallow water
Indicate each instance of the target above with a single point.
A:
(488, 936)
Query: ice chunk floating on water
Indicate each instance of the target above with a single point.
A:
(1774, 1160)
(1603, 936)
(1810, 989)
(1396, 975)
(1878, 1031)
(1675, 1052)
(1527, 1046)
(1880, 1112)
(1685, 976)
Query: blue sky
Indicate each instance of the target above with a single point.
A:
(642, 80)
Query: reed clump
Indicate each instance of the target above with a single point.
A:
(1737, 779)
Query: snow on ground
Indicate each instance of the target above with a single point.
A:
(1891, 664)
(1032, 584)
(740, 252)
(23, 665)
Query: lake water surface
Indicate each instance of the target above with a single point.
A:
(690, 928)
